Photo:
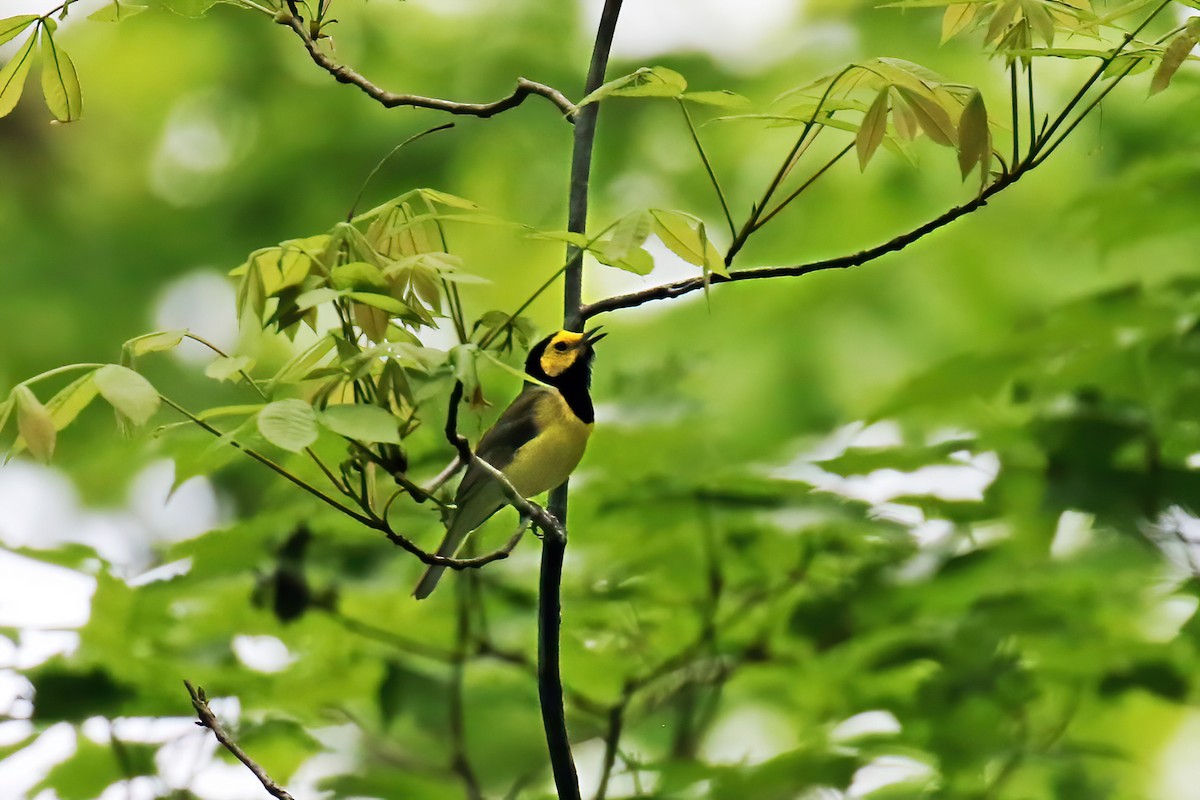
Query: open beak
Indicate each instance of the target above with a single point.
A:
(593, 336)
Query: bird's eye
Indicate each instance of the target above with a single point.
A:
(560, 347)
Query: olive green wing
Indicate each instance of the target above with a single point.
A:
(478, 496)
(516, 427)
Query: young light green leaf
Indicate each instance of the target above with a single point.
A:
(645, 82)
(290, 424)
(931, 116)
(462, 359)
(65, 406)
(721, 99)
(384, 302)
(956, 19)
(34, 424)
(1173, 57)
(5, 410)
(622, 246)
(450, 200)
(685, 237)
(365, 423)
(116, 12)
(974, 137)
(228, 367)
(153, 342)
(129, 393)
(11, 27)
(12, 76)
(60, 83)
(874, 126)
(358, 275)
(189, 8)
(1040, 21)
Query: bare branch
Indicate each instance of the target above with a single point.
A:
(209, 720)
(344, 74)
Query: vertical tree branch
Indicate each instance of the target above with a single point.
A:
(550, 688)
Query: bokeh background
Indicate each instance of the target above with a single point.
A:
(916, 529)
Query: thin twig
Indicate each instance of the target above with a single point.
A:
(679, 288)
(460, 762)
(209, 720)
(712, 175)
(1091, 81)
(344, 74)
(803, 187)
(612, 738)
(259, 457)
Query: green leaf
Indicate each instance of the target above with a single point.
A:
(686, 237)
(279, 745)
(462, 360)
(931, 116)
(358, 276)
(93, 767)
(290, 424)
(228, 367)
(153, 342)
(442, 198)
(35, 424)
(60, 83)
(645, 82)
(5, 410)
(62, 694)
(12, 77)
(116, 12)
(316, 297)
(622, 246)
(366, 423)
(974, 137)
(12, 26)
(65, 406)
(874, 126)
(721, 99)
(128, 392)
(384, 302)
(1173, 57)
(189, 8)
(956, 19)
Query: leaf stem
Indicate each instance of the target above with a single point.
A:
(712, 175)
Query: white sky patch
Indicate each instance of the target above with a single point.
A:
(193, 509)
(1072, 535)
(886, 771)
(21, 771)
(1178, 767)
(749, 735)
(262, 653)
(742, 35)
(204, 302)
(604, 281)
(868, 723)
(34, 594)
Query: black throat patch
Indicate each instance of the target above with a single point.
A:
(573, 383)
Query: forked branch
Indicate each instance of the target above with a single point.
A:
(343, 74)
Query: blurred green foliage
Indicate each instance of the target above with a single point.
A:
(950, 486)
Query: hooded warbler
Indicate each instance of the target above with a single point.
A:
(537, 442)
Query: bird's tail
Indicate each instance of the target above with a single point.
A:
(433, 573)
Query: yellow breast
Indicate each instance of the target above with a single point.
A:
(548, 459)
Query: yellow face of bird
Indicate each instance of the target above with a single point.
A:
(562, 351)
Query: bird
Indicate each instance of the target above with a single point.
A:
(536, 442)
